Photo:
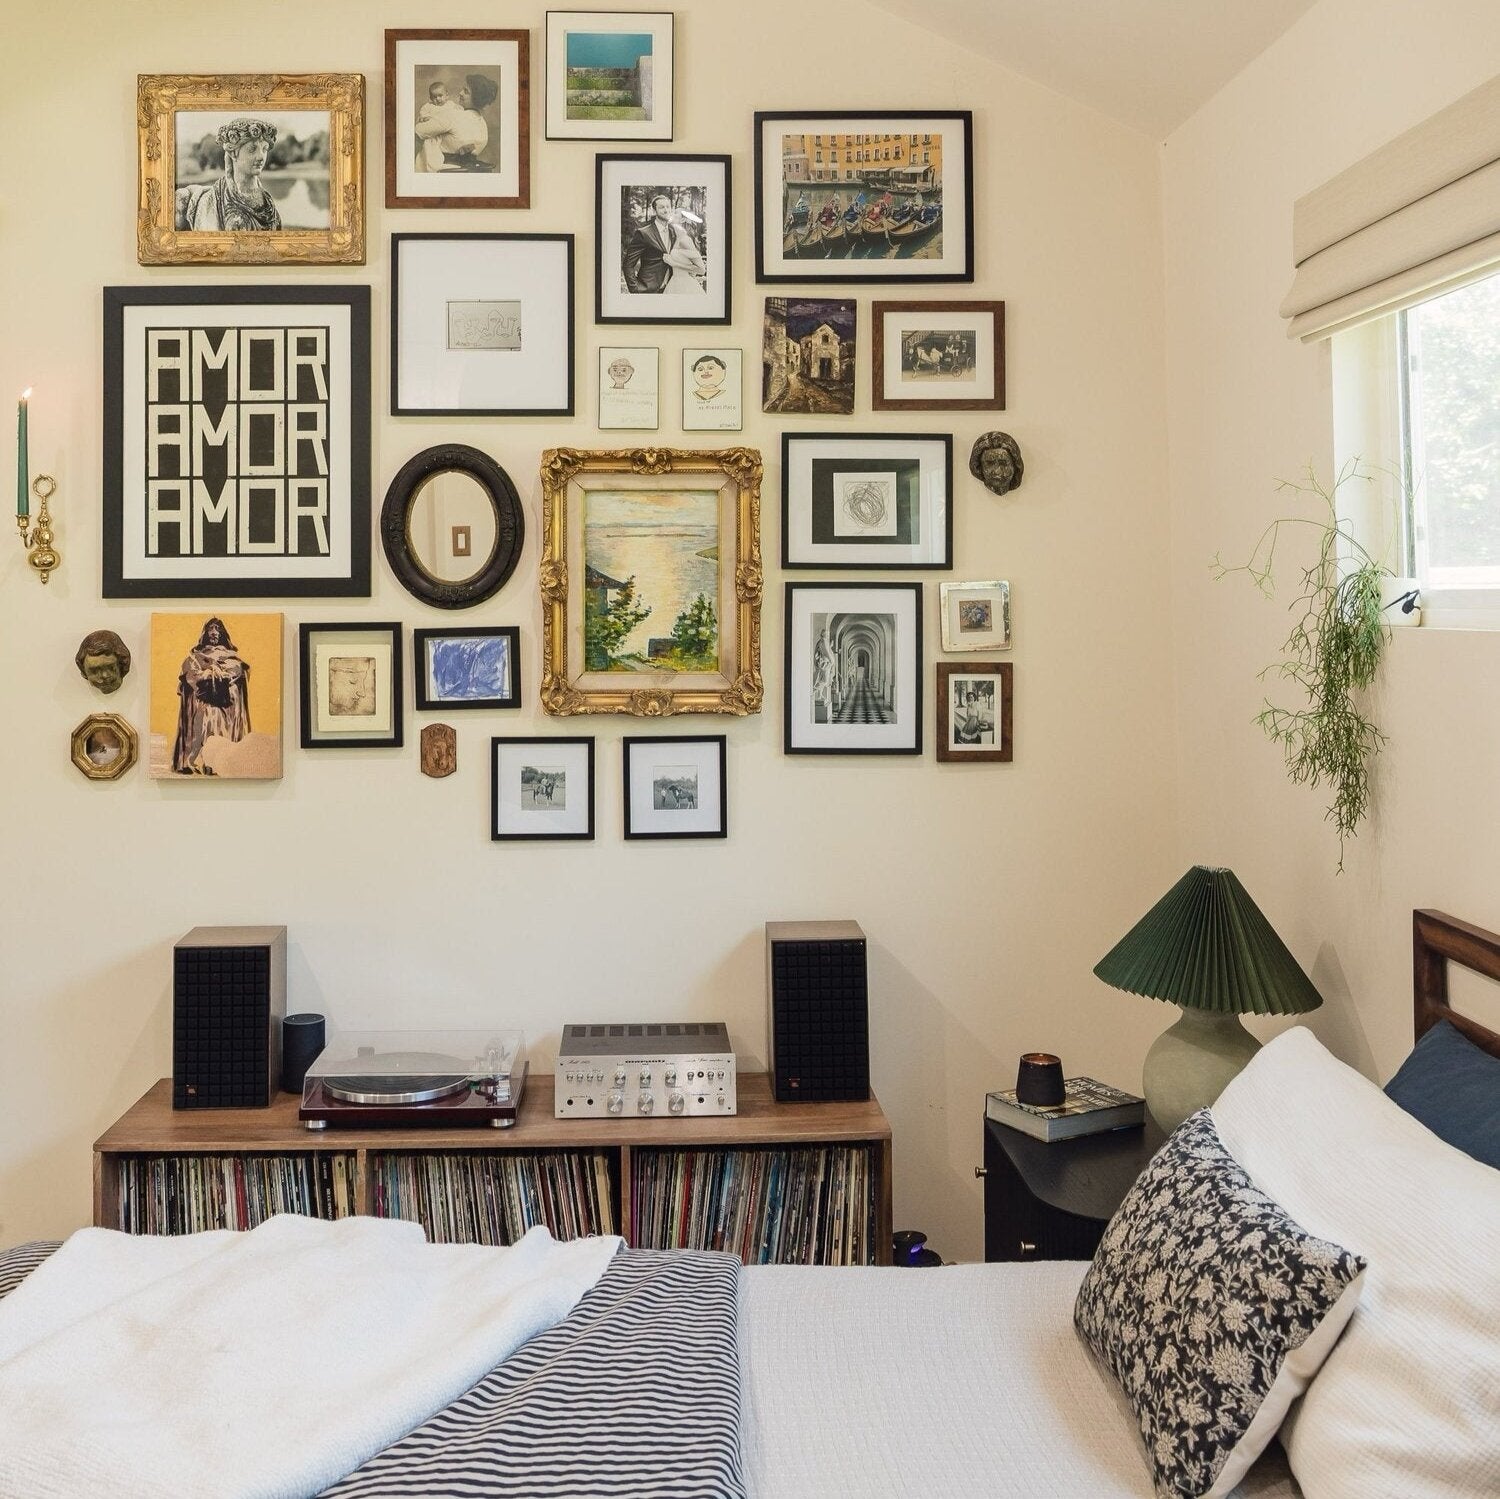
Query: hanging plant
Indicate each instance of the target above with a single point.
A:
(1332, 654)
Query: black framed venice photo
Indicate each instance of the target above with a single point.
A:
(236, 441)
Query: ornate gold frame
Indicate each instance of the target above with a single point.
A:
(159, 97)
(130, 747)
(738, 688)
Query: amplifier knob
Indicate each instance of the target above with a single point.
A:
(669, 1078)
(616, 1102)
(723, 1102)
(645, 1103)
(645, 1077)
(674, 1103)
(619, 1077)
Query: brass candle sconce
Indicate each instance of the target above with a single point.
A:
(37, 539)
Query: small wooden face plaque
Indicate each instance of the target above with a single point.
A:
(439, 750)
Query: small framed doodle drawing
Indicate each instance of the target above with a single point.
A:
(870, 501)
(853, 670)
(976, 616)
(674, 787)
(482, 325)
(541, 788)
(938, 356)
(251, 169)
(457, 119)
(609, 75)
(351, 686)
(713, 390)
(477, 666)
(629, 389)
(974, 710)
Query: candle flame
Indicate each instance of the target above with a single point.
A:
(26, 394)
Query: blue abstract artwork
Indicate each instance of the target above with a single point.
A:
(462, 669)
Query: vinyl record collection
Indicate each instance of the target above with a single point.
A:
(190, 1193)
(785, 1207)
(474, 1198)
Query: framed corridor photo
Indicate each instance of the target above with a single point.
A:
(541, 788)
(351, 686)
(236, 441)
(674, 786)
(974, 710)
(609, 75)
(853, 670)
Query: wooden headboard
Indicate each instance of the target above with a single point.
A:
(1437, 940)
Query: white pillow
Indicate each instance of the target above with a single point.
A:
(1408, 1404)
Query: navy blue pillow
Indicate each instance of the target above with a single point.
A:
(1454, 1089)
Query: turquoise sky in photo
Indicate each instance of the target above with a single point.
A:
(607, 49)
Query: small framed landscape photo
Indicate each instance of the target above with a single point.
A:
(251, 169)
(871, 501)
(541, 788)
(675, 787)
(713, 390)
(351, 686)
(974, 710)
(457, 119)
(853, 670)
(976, 616)
(938, 356)
(629, 389)
(609, 75)
(662, 227)
(482, 325)
(474, 666)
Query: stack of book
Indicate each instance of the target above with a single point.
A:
(187, 1194)
(1088, 1108)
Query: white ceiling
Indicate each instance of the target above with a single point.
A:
(1147, 63)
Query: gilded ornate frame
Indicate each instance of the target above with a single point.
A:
(110, 770)
(737, 688)
(160, 96)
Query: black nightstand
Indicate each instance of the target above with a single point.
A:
(1052, 1202)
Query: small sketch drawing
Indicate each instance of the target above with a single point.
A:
(351, 686)
(484, 325)
(864, 504)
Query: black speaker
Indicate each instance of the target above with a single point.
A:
(818, 997)
(302, 1038)
(228, 998)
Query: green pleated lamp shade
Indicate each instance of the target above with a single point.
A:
(1205, 946)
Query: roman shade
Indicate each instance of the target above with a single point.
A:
(1416, 218)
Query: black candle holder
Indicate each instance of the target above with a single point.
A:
(1039, 1080)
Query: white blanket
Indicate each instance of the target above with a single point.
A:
(265, 1364)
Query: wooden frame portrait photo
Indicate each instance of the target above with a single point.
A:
(467, 666)
(457, 119)
(938, 356)
(351, 685)
(675, 786)
(251, 169)
(541, 788)
(651, 581)
(974, 710)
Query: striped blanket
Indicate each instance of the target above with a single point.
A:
(634, 1395)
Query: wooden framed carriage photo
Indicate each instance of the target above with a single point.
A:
(251, 169)
(878, 197)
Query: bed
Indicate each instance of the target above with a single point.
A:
(685, 1374)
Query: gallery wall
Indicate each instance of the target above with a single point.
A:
(986, 891)
(1249, 406)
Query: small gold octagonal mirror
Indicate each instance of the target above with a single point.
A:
(104, 746)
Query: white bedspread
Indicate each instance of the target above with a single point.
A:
(966, 1382)
(263, 1364)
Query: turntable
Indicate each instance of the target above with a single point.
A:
(415, 1079)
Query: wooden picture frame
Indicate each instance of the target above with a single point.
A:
(104, 746)
(974, 710)
(296, 525)
(473, 666)
(527, 775)
(938, 356)
(293, 192)
(636, 48)
(878, 196)
(852, 676)
(675, 786)
(477, 83)
(351, 693)
(685, 524)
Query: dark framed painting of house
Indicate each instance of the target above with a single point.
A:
(809, 351)
(885, 197)
(236, 441)
(651, 581)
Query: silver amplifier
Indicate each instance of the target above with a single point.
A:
(625, 1071)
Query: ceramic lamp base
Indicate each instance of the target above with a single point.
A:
(1192, 1062)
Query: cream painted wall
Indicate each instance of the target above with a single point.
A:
(1247, 406)
(987, 892)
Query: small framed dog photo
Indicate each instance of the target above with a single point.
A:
(674, 787)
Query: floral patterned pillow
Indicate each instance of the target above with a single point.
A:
(1213, 1309)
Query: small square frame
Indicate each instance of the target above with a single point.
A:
(642, 356)
(660, 24)
(431, 696)
(509, 819)
(317, 643)
(705, 755)
(960, 634)
(892, 389)
(952, 743)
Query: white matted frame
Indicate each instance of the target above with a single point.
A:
(649, 116)
(351, 686)
(853, 669)
(541, 788)
(976, 616)
(481, 325)
(938, 356)
(675, 786)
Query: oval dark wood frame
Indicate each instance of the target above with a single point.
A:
(510, 526)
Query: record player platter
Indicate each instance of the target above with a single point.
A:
(438, 1077)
